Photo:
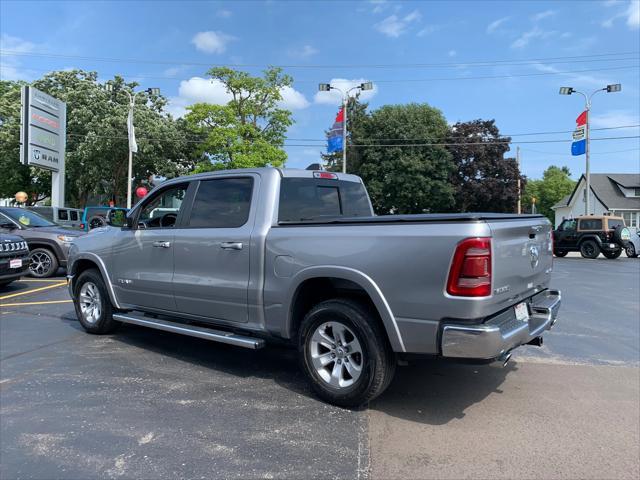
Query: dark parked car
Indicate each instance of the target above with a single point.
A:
(14, 258)
(591, 235)
(48, 242)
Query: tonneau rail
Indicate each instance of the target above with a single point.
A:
(418, 218)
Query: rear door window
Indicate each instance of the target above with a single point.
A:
(309, 199)
(74, 215)
(591, 224)
(63, 215)
(222, 203)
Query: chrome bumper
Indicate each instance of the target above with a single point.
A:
(503, 332)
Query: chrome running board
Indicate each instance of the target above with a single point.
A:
(191, 330)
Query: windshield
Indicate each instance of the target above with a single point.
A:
(27, 218)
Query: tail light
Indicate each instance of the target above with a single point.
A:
(470, 273)
(82, 226)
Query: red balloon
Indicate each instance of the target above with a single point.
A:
(141, 192)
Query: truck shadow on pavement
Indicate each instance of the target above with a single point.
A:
(427, 391)
(436, 392)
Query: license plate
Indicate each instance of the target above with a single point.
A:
(522, 312)
(15, 263)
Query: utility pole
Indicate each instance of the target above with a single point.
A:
(616, 87)
(519, 183)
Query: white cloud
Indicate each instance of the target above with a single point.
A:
(203, 90)
(428, 30)
(614, 118)
(535, 33)
(631, 13)
(10, 66)
(380, 5)
(224, 13)
(305, 51)
(211, 42)
(577, 79)
(493, 26)
(334, 97)
(452, 53)
(393, 26)
(292, 99)
(542, 15)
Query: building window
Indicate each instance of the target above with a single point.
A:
(636, 192)
(630, 218)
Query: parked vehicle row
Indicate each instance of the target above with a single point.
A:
(48, 242)
(245, 256)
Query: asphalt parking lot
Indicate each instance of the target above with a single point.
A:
(147, 404)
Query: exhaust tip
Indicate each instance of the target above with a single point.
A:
(504, 358)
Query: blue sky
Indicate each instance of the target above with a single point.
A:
(171, 44)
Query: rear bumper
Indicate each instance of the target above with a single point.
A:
(503, 332)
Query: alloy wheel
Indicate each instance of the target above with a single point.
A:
(90, 302)
(336, 354)
(40, 264)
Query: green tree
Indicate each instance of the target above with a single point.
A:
(97, 144)
(249, 131)
(555, 184)
(401, 179)
(483, 179)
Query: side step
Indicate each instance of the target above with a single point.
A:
(191, 330)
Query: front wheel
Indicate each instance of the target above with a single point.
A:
(345, 353)
(612, 255)
(42, 263)
(589, 249)
(92, 303)
(630, 250)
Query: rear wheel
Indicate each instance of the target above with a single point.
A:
(92, 303)
(612, 255)
(345, 353)
(560, 253)
(630, 250)
(42, 263)
(589, 249)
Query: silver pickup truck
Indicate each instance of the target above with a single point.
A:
(247, 256)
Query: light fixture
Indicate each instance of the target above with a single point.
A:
(566, 90)
(324, 87)
(366, 86)
(616, 87)
(153, 91)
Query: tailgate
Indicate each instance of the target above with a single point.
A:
(522, 256)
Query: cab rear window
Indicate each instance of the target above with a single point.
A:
(615, 223)
(310, 199)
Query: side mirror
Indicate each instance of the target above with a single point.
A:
(116, 218)
(7, 225)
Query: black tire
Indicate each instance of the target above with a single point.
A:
(43, 263)
(5, 283)
(630, 250)
(612, 255)
(589, 249)
(104, 322)
(96, 222)
(560, 253)
(377, 360)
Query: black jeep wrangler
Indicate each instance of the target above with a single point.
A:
(591, 235)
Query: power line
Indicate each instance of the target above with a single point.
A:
(592, 153)
(407, 80)
(500, 136)
(430, 144)
(569, 59)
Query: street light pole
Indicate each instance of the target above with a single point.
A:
(325, 87)
(587, 108)
(130, 136)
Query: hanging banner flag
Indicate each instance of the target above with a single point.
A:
(334, 137)
(133, 145)
(579, 145)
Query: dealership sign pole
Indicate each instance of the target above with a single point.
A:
(43, 137)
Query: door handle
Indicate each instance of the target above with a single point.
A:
(162, 244)
(231, 245)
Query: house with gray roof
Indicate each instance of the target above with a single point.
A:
(611, 193)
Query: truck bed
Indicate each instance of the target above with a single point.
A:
(418, 218)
